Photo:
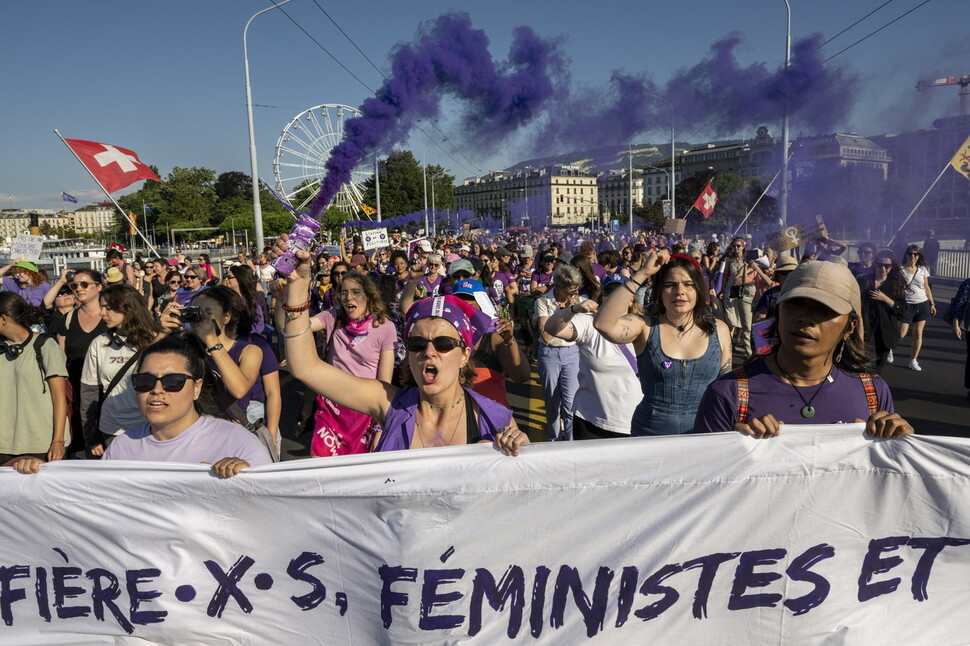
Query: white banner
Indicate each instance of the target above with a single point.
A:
(817, 536)
(374, 238)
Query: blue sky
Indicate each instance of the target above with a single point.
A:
(165, 79)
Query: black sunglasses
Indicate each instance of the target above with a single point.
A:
(440, 343)
(143, 382)
(191, 277)
(81, 284)
(884, 265)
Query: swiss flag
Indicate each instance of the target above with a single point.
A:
(706, 200)
(113, 166)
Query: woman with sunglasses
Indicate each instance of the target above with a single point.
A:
(75, 333)
(25, 281)
(680, 349)
(183, 422)
(209, 274)
(171, 285)
(867, 256)
(430, 283)
(436, 410)
(193, 277)
(920, 305)
(108, 412)
(737, 293)
(882, 288)
(33, 399)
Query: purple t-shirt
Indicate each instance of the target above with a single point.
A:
(33, 295)
(500, 280)
(399, 421)
(839, 401)
(599, 271)
(359, 355)
(428, 289)
(209, 439)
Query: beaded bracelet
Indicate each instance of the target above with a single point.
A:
(301, 308)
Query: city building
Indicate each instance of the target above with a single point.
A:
(94, 218)
(615, 188)
(15, 222)
(712, 158)
(656, 181)
(917, 159)
(558, 196)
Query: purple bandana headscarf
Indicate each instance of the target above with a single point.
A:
(470, 323)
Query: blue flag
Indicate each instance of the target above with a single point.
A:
(67, 197)
(148, 209)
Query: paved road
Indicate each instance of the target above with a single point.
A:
(934, 400)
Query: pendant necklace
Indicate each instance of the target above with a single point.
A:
(680, 328)
(807, 411)
(454, 431)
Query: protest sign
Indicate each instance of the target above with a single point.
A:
(797, 235)
(374, 238)
(819, 535)
(27, 247)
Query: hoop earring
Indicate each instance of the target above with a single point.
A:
(838, 357)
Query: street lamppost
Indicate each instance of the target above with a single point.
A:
(434, 223)
(672, 180)
(257, 207)
(783, 193)
(630, 201)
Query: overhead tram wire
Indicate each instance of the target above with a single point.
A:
(854, 24)
(876, 31)
(367, 87)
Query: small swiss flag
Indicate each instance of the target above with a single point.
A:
(706, 200)
(113, 166)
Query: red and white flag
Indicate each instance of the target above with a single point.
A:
(113, 166)
(706, 200)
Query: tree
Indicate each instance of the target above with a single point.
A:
(402, 186)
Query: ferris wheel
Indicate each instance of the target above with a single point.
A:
(302, 150)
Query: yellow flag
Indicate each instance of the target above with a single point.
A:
(368, 210)
(131, 227)
(961, 160)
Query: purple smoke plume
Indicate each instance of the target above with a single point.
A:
(448, 57)
(717, 91)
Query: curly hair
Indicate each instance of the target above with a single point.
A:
(139, 326)
(375, 303)
(14, 307)
(700, 311)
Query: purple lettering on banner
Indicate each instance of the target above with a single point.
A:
(510, 588)
(629, 578)
(42, 594)
(651, 585)
(873, 564)
(389, 598)
(228, 586)
(745, 577)
(800, 570)
(102, 596)
(931, 549)
(297, 571)
(538, 609)
(709, 565)
(594, 613)
(9, 595)
(63, 592)
(431, 599)
(133, 578)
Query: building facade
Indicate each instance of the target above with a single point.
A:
(557, 196)
(615, 189)
(93, 218)
(15, 222)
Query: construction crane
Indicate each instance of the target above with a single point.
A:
(962, 81)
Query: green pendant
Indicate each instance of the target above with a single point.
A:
(808, 412)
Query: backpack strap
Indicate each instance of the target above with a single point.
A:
(872, 400)
(39, 341)
(742, 380)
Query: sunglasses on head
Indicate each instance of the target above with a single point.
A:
(143, 382)
(440, 343)
(81, 284)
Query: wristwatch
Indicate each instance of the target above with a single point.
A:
(217, 346)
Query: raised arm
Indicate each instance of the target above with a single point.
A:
(56, 287)
(613, 320)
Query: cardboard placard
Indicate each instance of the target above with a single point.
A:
(27, 247)
(796, 235)
(675, 226)
(374, 239)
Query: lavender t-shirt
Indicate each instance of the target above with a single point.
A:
(209, 439)
(839, 401)
(33, 295)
